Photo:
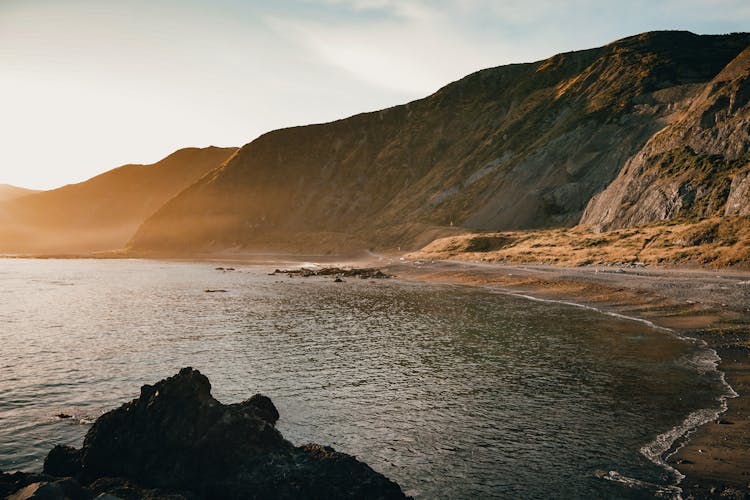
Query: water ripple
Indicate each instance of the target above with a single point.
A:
(453, 392)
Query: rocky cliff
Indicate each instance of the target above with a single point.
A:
(101, 213)
(519, 146)
(696, 167)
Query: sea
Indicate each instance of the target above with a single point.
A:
(451, 391)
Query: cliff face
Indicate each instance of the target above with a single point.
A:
(697, 167)
(103, 212)
(519, 146)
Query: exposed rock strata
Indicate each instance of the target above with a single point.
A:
(697, 167)
(738, 200)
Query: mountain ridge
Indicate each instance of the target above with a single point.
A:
(520, 146)
(9, 192)
(103, 212)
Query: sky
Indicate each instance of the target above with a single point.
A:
(88, 85)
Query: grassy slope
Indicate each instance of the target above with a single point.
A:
(715, 242)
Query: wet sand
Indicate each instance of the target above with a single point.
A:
(713, 306)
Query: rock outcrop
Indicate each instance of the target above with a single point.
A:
(696, 167)
(738, 200)
(336, 272)
(518, 146)
(176, 441)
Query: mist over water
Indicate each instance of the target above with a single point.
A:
(454, 392)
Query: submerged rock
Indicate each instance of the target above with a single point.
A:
(176, 441)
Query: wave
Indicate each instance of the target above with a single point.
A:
(665, 445)
(659, 491)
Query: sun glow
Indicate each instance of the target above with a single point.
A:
(89, 85)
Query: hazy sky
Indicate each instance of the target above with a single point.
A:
(87, 85)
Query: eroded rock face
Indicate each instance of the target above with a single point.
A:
(738, 202)
(696, 167)
(177, 441)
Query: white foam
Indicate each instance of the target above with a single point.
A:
(668, 443)
(658, 490)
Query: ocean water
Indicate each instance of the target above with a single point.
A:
(454, 392)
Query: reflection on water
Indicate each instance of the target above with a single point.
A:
(453, 392)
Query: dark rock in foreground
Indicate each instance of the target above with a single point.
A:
(177, 441)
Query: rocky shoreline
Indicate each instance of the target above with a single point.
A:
(713, 306)
(175, 441)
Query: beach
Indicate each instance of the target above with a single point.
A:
(712, 306)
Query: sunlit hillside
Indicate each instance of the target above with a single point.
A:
(104, 212)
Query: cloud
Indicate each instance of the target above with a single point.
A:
(104, 83)
(405, 50)
(416, 46)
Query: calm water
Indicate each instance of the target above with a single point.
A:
(453, 392)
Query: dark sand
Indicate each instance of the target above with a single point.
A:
(713, 306)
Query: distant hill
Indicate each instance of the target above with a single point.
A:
(101, 213)
(8, 192)
(513, 147)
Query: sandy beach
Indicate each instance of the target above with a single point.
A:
(713, 306)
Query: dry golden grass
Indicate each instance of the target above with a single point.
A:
(717, 242)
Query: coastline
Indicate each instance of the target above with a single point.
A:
(709, 306)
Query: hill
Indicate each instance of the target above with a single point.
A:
(101, 213)
(8, 192)
(514, 147)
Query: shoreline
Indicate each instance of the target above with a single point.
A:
(705, 305)
(714, 457)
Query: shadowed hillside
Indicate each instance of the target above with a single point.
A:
(518, 146)
(101, 213)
